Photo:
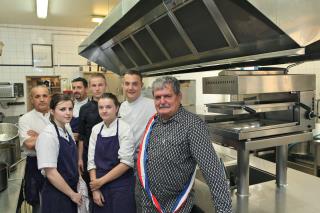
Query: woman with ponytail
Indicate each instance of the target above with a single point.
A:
(110, 160)
(57, 158)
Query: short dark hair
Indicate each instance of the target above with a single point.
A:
(134, 72)
(98, 75)
(112, 97)
(57, 98)
(38, 86)
(83, 80)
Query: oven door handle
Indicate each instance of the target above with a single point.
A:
(249, 109)
(309, 114)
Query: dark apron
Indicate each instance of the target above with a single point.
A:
(74, 123)
(53, 200)
(33, 181)
(118, 194)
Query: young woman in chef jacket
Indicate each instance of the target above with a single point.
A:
(110, 160)
(57, 157)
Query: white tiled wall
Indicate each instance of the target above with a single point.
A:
(17, 53)
(65, 47)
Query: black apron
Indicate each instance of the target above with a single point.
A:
(33, 181)
(118, 194)
(53, 200)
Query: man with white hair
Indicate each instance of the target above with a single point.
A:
(175, 141)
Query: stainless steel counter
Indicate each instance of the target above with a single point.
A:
(10, 196)
(301, 194)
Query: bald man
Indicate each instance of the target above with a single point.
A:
(30, 125)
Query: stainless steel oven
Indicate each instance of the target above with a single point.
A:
(267, 109)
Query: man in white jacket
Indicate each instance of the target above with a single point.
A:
(30, 126)
(135, 111)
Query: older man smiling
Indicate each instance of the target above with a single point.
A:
(174, 142)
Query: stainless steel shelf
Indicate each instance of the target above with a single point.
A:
(236, 108)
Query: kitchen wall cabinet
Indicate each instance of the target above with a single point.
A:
(52, 82)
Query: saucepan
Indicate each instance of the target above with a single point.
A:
(9, 144)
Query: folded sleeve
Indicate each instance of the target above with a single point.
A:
(47, 147)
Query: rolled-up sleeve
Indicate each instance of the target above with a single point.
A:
(92, 146)
(47, 147)
(126, 142)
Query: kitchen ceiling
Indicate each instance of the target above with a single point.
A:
(61, 13)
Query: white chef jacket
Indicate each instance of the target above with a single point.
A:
(47, 146)
(137, 115)
(77, 106)
(126, 142)
(35, 121)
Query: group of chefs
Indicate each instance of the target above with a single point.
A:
(137, 156)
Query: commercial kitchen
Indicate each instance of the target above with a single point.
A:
(249, 68)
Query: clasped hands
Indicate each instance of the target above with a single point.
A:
(97, 194)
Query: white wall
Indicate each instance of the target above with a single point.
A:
(16, 59)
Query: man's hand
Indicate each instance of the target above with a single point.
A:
(32, 133)
(95, 184)
(30, 142)
(98, 198)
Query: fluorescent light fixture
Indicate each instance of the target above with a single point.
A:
(97, 19)
(42, 8)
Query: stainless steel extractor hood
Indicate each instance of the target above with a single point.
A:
(167, 36)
